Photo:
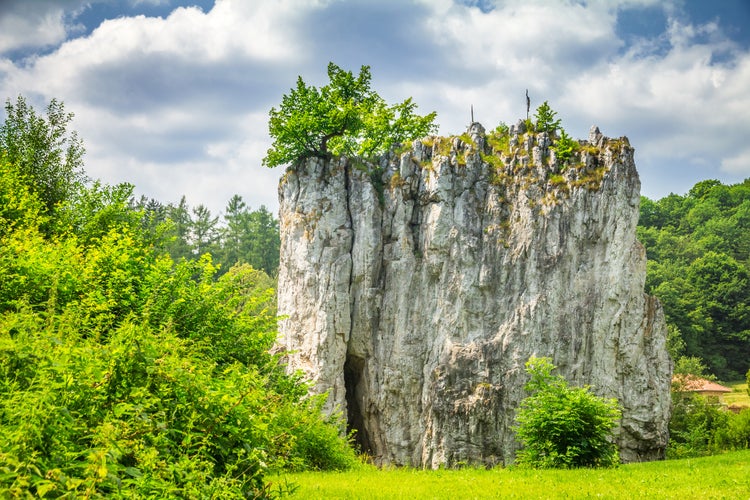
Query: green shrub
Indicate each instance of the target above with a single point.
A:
(695, 422)
(736, 434)
(564, 148)
(124, 374)
(561, 426)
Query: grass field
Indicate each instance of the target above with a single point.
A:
(738, 395)
(722, 476)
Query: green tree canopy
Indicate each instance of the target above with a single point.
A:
(343, 117)
(698, 247)
(250, 236)
(44, 150)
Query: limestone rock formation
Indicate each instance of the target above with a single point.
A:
(415, 289)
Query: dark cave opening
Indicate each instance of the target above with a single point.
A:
(353, 371)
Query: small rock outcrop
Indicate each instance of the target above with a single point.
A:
(415, 289)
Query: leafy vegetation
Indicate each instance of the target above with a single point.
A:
(241, 235)
(698, 247)
(43, 151)
(545, 119)
(563, 427)
(565, 147)
(124, 373)
(723, 476)
(701, 425)
(344, 117)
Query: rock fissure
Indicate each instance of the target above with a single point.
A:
(415, 306)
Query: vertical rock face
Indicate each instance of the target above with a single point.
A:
(415, 290)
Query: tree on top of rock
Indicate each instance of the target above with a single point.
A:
(545, 119)
(344, 117)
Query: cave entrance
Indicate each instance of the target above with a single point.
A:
(355, 421)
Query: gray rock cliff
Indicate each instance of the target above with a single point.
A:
(415, 289)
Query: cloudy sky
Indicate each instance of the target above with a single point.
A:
(173, 95)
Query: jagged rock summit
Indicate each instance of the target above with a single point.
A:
(414, 290)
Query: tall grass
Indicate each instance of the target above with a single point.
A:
(738, 396)
(721, 476)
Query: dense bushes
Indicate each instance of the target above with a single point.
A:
(562, 426)
(701, 426)
(123, 373)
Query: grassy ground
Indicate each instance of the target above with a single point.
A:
(738, 395)
(722, 476)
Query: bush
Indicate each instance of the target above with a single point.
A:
(124, 374)
(564, 148)
(736, 434)
(561, 426)
(695, 422)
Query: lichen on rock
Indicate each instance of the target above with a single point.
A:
(415, 297)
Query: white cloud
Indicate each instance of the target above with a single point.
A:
(178, 105)
(23, 27)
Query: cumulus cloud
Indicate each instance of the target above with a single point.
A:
(169, 90)
(31, 25)
(178, 104)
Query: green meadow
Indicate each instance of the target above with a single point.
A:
(739, 394)
(719, 476)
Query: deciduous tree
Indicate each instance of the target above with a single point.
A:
(343, 117)
(44, 150)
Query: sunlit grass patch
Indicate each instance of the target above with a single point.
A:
(738, 396)
(722, 476)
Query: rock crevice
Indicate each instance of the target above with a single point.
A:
(415, 289)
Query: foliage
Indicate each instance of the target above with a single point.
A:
(250, 236)
(695, 421)
(48, 156)
(562, 426)
(123, 373)
(691, 366)
(564, 148)
(204, 230)
(344, 117)
(702, 425)
(545, 119)
(736, 434)
(721, 476)
(698, 248)
(98, 208)
(242, 235)
(675, 344)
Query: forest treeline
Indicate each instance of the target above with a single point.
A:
(239, 235)
(698, 247)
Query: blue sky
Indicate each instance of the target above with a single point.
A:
(173, 96)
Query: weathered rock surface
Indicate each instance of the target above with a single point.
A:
(415, 290)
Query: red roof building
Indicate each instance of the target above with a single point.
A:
(686, 383)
